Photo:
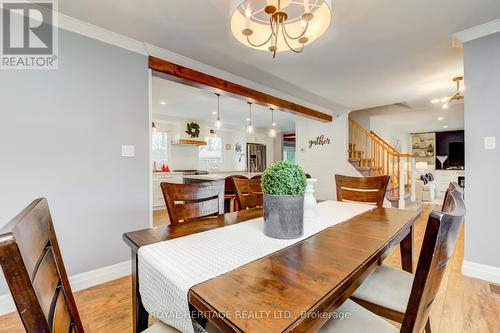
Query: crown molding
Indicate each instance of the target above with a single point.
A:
(478, 31)
(80, 27)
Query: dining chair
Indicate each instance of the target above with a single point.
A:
(249, 192)
(449, 202)
(34, 270)
(230, 192)
(400, 296)
(191, 201)
(369, 190)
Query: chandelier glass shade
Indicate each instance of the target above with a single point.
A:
(249, 127)
(279, 25)
(272, 130)
(218, 122)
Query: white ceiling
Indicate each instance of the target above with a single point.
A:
(375, 52)
(192, 103)
(419, 121)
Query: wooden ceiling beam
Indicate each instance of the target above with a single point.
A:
(201, 80)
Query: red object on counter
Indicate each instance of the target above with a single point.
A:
(167, 169)
(163, 169)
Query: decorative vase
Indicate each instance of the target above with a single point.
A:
(283, 216)
(310, 204)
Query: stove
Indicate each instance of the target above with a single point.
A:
(192, 172)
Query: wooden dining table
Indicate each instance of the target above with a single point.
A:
(291, 290)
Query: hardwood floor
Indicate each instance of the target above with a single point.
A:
(463, 305)
(160, 217)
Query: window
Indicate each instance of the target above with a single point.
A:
(159, 149)
(212, 152)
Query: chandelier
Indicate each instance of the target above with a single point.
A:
(279, 25)
(458, 96)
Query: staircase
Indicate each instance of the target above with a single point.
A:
(373, 156)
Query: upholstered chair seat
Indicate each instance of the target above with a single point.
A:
(160, 327)
(356, 319)
(388, 287)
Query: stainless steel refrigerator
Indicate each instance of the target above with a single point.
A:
(256, 157)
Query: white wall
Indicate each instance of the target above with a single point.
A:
(186, 157)
(61, 133)
(323, 162)
(482, 119)
(396, 137)
(369, 119)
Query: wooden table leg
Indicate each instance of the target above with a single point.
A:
(139, 314)
(406, 248)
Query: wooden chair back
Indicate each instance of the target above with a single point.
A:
(229, 187)
(437, 248)
(448, 202)
(249, 192)
(34, 270)
(362, 189)
(191, 201)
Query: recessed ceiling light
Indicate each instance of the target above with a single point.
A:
(445, 106)
(435, 101)
(440, 118)
(247, 119)
(163, 102)
(444, 99)
(445, 126)
(214, 113)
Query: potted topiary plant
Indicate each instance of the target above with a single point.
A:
(284, 184)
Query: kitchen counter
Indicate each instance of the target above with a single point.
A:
(166, 173)
(221, 175)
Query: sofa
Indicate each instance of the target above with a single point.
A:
(425, 188)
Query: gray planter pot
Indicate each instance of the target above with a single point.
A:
(283, 216)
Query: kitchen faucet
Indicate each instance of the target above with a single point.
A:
(239, 161)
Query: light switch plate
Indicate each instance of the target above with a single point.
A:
(490, 142)
(128, 151)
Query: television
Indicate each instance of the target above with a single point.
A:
(456, 157)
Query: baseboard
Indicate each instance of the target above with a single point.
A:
(480, 271)
(79, 282)
(101, 275)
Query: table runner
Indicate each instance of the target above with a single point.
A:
(168, 269)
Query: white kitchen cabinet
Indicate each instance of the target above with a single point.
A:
(443, 178)
(161, 177)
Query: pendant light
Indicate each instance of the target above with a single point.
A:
(249, 127)
(154, 127)
(218, 122)
(272, 131)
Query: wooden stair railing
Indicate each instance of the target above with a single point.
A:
(377, 157)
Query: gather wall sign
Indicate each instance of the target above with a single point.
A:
(320, 140)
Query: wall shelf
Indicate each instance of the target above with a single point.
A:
(186, 142)
(424, 146)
